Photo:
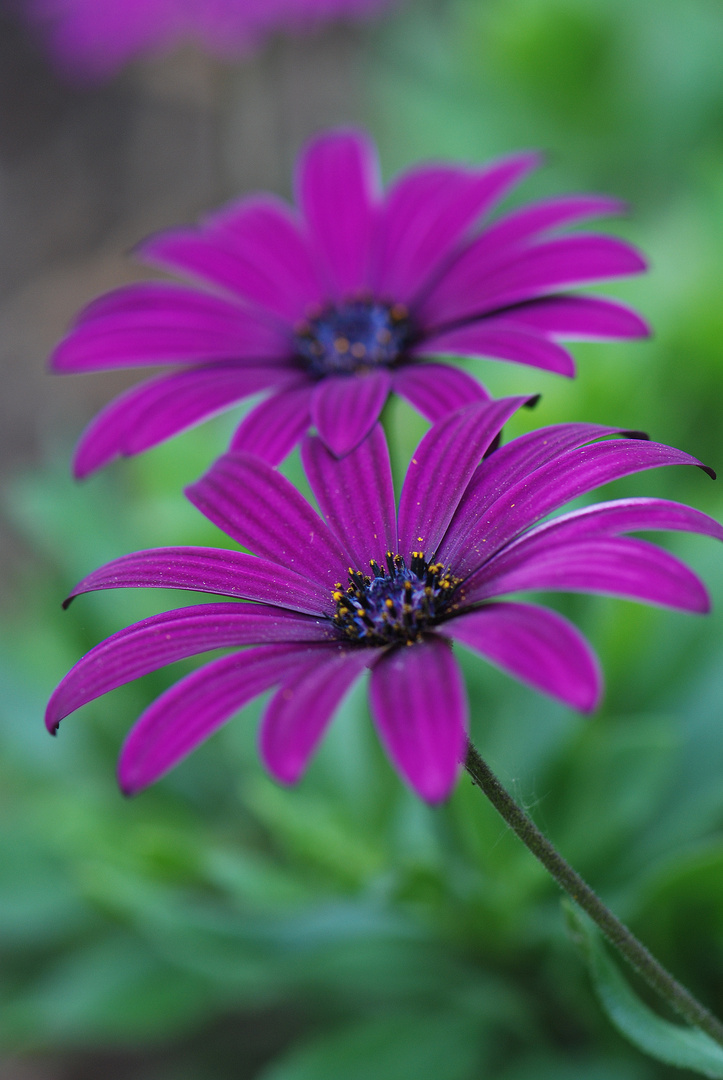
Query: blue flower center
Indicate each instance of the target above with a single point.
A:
(353, 337)
(398, 603)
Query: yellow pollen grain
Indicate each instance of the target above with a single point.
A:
(358, 350)
(341, 344)
(389, 603)
(399, 312)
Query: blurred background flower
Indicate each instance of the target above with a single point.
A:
(218, 926)
(90, 40)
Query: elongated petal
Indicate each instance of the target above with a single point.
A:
(193, 709)
(490, 337)
(160, 323)
(437, 389)
(426, 214)
(536, 646)
(584, 318)
(210, 570)
(356, 496)
(551, 486)
(510, 463)
(337, 190)
(441, 468)
(611, 565)
(263, 512)
(419, 705)
(529, 221)
(345, 408)
(278, 270)
(174, 635)
(274, 427)
(162, 407)
(301, 710)
(480, 284)
(616, 517)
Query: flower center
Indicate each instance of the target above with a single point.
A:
(396, 605)
(352, 337)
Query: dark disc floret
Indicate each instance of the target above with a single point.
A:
(353, 336)
(397, 604)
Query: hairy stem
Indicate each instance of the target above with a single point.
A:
(568, 879)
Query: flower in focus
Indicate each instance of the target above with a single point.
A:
(92, 39)
(370, 588)
(330, 309)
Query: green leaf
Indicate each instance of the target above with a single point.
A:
(684, 1047)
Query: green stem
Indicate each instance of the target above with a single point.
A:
(568, 879)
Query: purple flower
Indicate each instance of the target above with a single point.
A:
(328, 310)
(92, 39)
(370, 588)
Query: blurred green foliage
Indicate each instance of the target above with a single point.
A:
(379, 938)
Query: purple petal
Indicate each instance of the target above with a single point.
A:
(279, 273)
(549, 487)
(162, 407)
(262, 511)
(345, 408)
(510, 463)
(159, 323)
(194, 708)
(337, 189)
(441, 468)
(419, 706)
(174, 635)
(620, 516)
(584, 318)
(536, 646)
(531, 220)
(616, 567)
(480, 282)
(273, 428)
(356, 495)
(210, 570)
(426, 214)
(300, 712)
(498, 341)
(437, 389)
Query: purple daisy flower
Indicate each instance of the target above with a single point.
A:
(93, 39)
(368, 588)
(329, 310)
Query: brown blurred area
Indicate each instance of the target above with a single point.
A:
(85, 173)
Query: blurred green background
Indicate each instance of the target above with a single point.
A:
(220, 927)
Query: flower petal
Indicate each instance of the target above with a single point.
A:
(298, 715)
(479, 283)
(437, 389)
(159, 408)
(174, 635)
(191, 711)
(345, 408)
(550, 486)
(614, 566)
(584, 318)
(529, 221)
(267, 237)
(262, 511)
(210, 570)
(441, 468)
(356, 495)
(337, 189)
(273, 428)
(510, 463)
(419, 705)
(494, 339)
(161, 323)
(427, 212)
(536, 646)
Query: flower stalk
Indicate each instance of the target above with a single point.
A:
(676, 995)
